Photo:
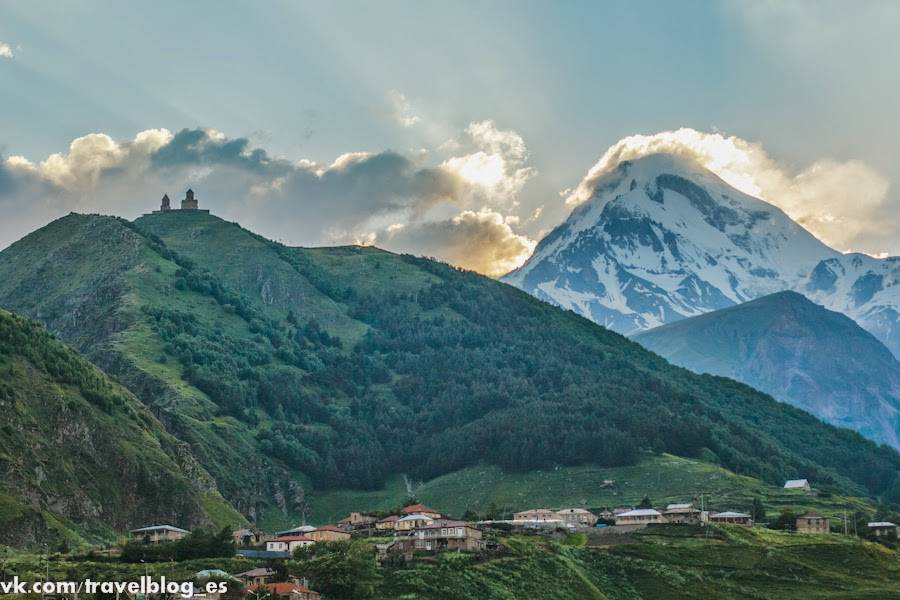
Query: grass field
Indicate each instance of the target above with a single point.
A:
(668, 563)
(664, 479)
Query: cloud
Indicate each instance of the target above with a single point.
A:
(403, 112)
(5, 50)
(497, 167)
(482, 241)
(845, 204)
(435, 208)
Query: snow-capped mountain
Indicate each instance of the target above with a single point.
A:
(865, 289)
(663, 238)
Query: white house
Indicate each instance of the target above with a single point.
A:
(640, 516)
(289, 543)
(576, 516)
(732, 518)
(158, 534)
(536, 514)
(884, 528)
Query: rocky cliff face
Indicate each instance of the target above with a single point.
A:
(662, 239)
(82, 457)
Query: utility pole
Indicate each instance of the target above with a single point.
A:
(47, 567)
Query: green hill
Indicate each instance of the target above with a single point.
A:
(797, 351)
(293, 371)
(81, 457)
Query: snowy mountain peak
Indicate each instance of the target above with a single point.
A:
(662, 238)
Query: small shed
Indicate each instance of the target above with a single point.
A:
(797, 484)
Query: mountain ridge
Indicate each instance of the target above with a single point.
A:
(797, 351)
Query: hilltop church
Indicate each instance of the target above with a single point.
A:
(188, 203)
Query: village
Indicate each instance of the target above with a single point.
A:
(416, 531)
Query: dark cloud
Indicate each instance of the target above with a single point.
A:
(192, 147)
(7, 181)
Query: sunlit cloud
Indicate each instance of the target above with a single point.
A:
(498, 166)
(839, 202)
(6, 50)
(482, 241)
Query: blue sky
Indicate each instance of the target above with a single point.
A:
(807, 83)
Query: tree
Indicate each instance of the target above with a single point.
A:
(758, 512)
(786, 521)
(645, 502)
(343, 570)
(470, 515)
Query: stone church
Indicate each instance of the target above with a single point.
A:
(188, 203)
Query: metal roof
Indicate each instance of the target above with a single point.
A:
(640, 512)
(795, 483)
(416, 517)
(160, 528)
(301, 529)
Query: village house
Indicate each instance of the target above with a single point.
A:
(576, 516)
(257, 577)
(733, 518)
(157, 534)
(387, 523)
(414, 521)
(813, 523)
(885, 529)
(683, 514)
(797, 484)
(284, 591)
(448, 535)
(536, 514)
(357, 520)
(420, 509)
(249, 537)
(289, 543)
(328, 533)
(640, 516)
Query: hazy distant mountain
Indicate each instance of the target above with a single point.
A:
(663, 238)
(798, 352)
